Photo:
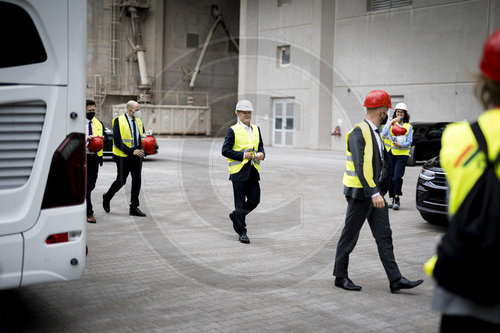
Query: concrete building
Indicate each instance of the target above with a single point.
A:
(307, 65)
(171, 38)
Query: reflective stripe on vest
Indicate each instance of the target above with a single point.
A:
(350, 178)
(243, 143)
(97, 130)
(126, 133)
(397, 150)
(461, 159)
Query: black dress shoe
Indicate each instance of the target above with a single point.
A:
(347, 284)
(136, 212)
(105, 203)
(404, 283)
(244, 239)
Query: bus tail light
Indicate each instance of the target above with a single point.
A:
(67, 176)
(63, 237)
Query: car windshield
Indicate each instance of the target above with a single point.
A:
(437, 130)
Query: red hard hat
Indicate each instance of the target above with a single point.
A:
(96, 144)
(376, 98)
(490, 62)
(148, 145)
(398, 130)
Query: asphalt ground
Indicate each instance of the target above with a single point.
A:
(182, 269)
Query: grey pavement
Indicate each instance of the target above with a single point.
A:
(182, 269)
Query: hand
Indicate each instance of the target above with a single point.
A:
(396, 143)
(259, 156)
(139, 152)
(378, 201)
(396, 120)
(90, 137)
(248, 155)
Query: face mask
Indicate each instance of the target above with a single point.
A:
(137, 114)
(90, 115)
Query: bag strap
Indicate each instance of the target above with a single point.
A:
(481, 140)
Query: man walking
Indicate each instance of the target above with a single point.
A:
(128, 156)
(365, 182)
(244, 150)
(93, 129)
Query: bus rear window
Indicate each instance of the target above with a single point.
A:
(20, 38)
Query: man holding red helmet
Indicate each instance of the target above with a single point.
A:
(94, 134)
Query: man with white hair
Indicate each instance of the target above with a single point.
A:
(244, 150)
(128, 156)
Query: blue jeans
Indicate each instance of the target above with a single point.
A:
(398, 164)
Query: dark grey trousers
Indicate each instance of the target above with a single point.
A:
(378, 219)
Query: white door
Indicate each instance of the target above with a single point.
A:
(283, 113)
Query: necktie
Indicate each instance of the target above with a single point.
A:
(90, 127)
(134, 132)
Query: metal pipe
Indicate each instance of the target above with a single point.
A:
(141, 58)
(203, 51)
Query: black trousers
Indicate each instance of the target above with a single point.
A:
(124, 166)
(92, 172)
(378, 219)
(246, 199)
(398, 165)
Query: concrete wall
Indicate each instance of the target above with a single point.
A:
(169, 61)
(424, 54)
(264, 27)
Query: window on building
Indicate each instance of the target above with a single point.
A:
(191, 40)
(284, 55)
(374, 5)
(282, 3)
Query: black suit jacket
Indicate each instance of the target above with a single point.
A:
(227, 150)
(356, 144)
(117, 138)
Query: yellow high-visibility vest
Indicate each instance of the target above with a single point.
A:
(97, 131)
(126, 133)
(461, 159)
(350, 178)
(243, 143)
(389, 145)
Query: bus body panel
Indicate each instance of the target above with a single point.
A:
(44, 262)
(51, 20)
(11, 262)
(20, 206)
(50, 95)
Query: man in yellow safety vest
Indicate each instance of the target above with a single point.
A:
(365, 183)
(244, 150)
(128, 156)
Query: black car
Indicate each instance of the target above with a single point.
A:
(108, 142)
(426, 141)
(432, 193)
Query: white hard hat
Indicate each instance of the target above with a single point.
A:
(401, 106)
(244, 105)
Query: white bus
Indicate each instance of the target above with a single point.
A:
(42, 137)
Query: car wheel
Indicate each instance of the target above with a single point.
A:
(411, 157)
(436, 219)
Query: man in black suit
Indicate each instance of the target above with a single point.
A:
(244, 150)
(365, 183)
(128, 156)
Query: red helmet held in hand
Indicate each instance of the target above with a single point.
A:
(96, 144)
(398, 130)
(148, 145)
(376, 98)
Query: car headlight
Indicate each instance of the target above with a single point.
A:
(427, 174)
